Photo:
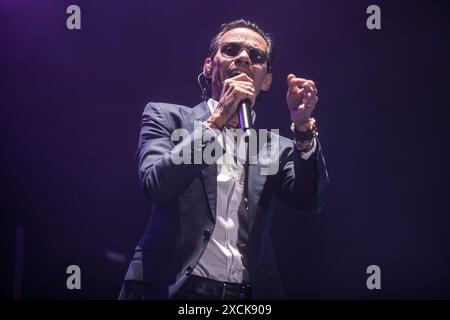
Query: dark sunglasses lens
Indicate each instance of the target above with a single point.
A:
(231, 49)
(257, 56)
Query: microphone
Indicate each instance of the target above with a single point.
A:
(245, 115)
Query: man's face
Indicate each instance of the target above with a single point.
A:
(224, 67)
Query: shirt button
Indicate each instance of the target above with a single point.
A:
(207, 234)
(189, 269)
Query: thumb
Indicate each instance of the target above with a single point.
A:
(292, 87)
(289, 78)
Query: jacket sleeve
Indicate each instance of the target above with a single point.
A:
(160, 177)
(300, 183)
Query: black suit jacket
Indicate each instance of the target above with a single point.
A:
(183, 201)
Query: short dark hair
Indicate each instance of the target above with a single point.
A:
(241, 23)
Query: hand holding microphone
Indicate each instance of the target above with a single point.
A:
(237, 97)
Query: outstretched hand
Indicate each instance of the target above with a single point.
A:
(301, 99)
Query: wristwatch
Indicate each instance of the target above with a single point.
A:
(304, 140)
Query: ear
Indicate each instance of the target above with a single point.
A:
(207, 68)
(266, 82)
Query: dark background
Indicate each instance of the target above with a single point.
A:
(71, 103)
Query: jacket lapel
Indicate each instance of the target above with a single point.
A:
(210, 180)
(200, 113)
(256, 182)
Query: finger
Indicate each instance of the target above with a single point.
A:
(309, 88)
(242, 84)
(312, 86)
(310, 101)
(307, 108)
(309, 95)
(294, 81)
(312, 83)
(230, 84)
(295, 99)
(246, 86)
(295, 86)
(250, 96)
(295, 90)
(289, 78)
(241, 77)
(245, 92)
(297, 82)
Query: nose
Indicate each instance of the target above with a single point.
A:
(243, 57)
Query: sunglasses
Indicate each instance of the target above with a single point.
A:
(233, 49)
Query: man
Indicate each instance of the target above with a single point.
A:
(208, 236)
